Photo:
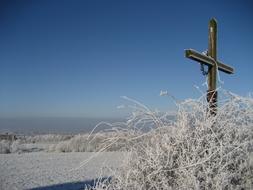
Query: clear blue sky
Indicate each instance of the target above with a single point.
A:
(76, 58)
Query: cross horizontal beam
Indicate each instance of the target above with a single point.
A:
(194, 55)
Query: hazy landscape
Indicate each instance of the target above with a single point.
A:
(54, 125)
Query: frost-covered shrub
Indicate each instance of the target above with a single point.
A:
(48, 138)
(196, 151)
(15, 146)
(87, 143)
(5, 147)
(77, 143)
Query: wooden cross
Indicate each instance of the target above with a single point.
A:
(211, 61)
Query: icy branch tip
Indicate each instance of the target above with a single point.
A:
(163, 93)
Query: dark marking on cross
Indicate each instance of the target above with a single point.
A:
(211, 61)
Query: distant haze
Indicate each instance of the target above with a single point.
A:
(48, 125)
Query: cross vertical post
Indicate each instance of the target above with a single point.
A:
(212, 70)
(210, 60)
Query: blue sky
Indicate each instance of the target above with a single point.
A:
(76, 58)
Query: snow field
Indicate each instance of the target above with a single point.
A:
(42, 170)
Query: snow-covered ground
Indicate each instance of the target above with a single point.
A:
(47, 171)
